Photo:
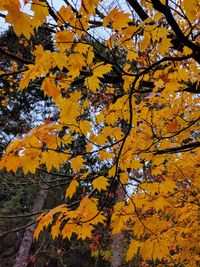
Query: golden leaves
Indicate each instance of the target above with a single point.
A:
(99, 70)
(44, 61)
(160, 203)
(77, 163)
(19, 19)
(11, 165)
(156, 249)
(191, 13)
(28, 150)
(100, 183)
(124, 178)
(64, 39)
(44, 220)
(65, 14)
(88, 7)
(100, 118)
(70, 110)
(81, 221)
(50, 88)
(117, 19)
(41, 12)
(9, 5)
(30, 161)
(132, 55)
(85, 126)
(112, 116)
(76, 63)
(93, 82)
(105, 155)
(132, 250)
(71, 189)
(164, 46)
(51, 159)
(147, 250)
(120, 217)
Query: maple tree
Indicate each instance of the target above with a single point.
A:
(124, 80)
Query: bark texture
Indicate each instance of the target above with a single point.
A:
(118, 239)
(23, 254)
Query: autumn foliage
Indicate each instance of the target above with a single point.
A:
(124, 80)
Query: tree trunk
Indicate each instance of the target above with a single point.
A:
(118, 239)
(23, 254)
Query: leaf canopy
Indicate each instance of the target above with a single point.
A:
(126, 91)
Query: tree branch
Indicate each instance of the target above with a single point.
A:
(21, 215)
(15, 57)
(165, 10)
(182, 148)
(16, 229)
(2, 15)
(138, 9)
(12, 73)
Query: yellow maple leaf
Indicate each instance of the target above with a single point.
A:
(38, 230)
(85, 126)
(167, 186)
(44, 220)
(50, 88)
(68, 230)
(145, 42)
(55, 230)
(50, 159)
(77, 163)
(100, 118)
(160, 203)
(117, 224)
(30, 161)
(71, 189)
(138, 228)
(164, 46)
(99, 70)
(146, 249)
(60, 59)
(18, 19)
(100, 183)
(10, 5)
(88, 7)
(132, 250)
(65, 14)
(132, 55)
(191, 9)
(76, 61)
(112, 171)
(123, 178)
(84, 230)
(160, 249)
(41, 12)
(92, 83)
(118, 19)
(152, 188)
(12, 163)
(64, 39)
(104, 155)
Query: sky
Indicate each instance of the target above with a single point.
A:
(26, 8)
(107, 5)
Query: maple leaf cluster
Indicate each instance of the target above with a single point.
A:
(126, 88)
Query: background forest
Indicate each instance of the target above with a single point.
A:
(29, 194)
